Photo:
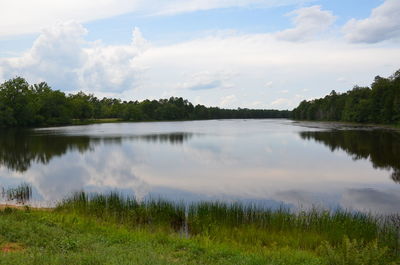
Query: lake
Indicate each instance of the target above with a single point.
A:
(270, 162)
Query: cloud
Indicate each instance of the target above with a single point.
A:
(55, 55)
(112, 68)
(22, 17)
(207, 80)
(269, 84)
(288, 102)
(308, 22)
(247, 64)
(281, 102)
(62, 57)
(382, 24)
(228, 100)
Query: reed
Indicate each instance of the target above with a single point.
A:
(20, 194)
(239, 223)
(126, 210)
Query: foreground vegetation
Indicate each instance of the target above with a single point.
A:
(379, 103)
(23, 105)
(43, 237)
(114, 229)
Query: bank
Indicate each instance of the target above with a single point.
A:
(92, 232)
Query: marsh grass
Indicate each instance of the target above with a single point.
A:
(20, 194)
(126, 210)
(240, 224)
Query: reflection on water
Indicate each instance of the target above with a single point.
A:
(381, 147)
(263, 161)
(20, 148)
(370, 199)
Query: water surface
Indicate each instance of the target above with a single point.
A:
(273, 162)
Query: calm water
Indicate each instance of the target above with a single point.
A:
(274, 162)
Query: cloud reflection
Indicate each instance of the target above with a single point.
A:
(371, 200)
(252, 160)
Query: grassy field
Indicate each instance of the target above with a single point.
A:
(112, 229)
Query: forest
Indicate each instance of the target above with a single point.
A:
(379, 103)
(25, 105)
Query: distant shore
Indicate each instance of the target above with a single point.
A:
(351, 125)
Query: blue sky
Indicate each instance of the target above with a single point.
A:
(182, 26)
(228, 53)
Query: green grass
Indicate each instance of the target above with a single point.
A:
(56, 238)
(115, 229)
(247, 227)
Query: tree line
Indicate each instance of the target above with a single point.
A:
(25, 105)
(379, 103)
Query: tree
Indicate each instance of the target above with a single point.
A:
(80, 106)
(378, 104)
(22, 104)
(16, 102)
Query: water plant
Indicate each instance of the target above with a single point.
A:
(20, 194)
(242, 224)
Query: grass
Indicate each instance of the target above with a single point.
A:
(244, 226)
(115, 229)
(20, 195)
(56, 238)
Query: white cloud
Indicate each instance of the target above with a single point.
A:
(383, 24)
(286, 103)
(269, 84)
(22, 17)
(56, 55)
(207, 80)
(280, 102)
(228, 101)
(62, 57)
(308, 22)
(112, 68)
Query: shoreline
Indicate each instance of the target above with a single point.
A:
(118, 120)
(350, 125)
(24, 207)
(213, 233)
(304, 123)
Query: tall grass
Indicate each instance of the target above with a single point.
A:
(20, 194)
(241, 224)
(126, 210)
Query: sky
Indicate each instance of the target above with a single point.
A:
(226, 53)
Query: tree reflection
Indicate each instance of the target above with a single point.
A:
(381, 147)
(20, 148)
